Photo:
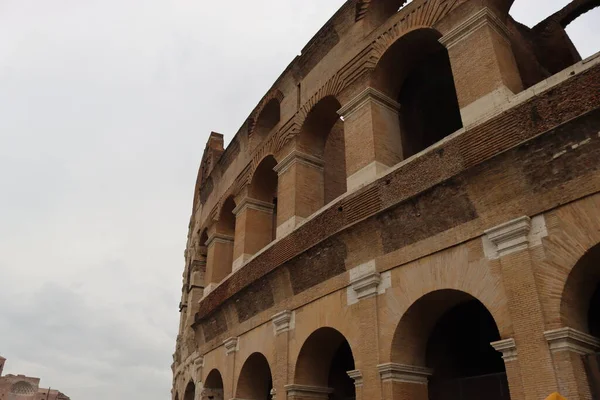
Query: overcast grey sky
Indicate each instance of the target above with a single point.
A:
(105, 107)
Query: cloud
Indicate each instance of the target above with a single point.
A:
(105, 108)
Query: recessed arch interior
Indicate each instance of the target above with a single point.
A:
(255, 381)
(324, 360)
(190, 391)
(267, 120)
(450, 332)
(416, 72)
(580, 303)
(226, 223)
(322, 135)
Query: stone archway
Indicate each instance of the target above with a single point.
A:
(576, 347)
(213, 386)
(255, 381)
(442, 350)
(190, 391)
(322, 368)
(415, 72)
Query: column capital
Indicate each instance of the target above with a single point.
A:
(569, 339)
(254, 204)
(507, 347)
(366, 282)
(297, 157)
(483, 17)
(513, 236)
(219, 238)
(304, 391)
(404, 373)
(357, 376)
(231, 345)
(283, 322)
(368, 95)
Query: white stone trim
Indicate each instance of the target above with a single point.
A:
(368, 95)
(366, 282)
(404, 373)
(512, 236)
(472, 112)
(483, 17)
(286, 227)
(231, 345)
(569, 339)
(283, 321)
(299, 157)
(219, 238)
(253, 204)
(240, 261)
(316, 392)
(366, 175)
(507, 347)
(356, 375)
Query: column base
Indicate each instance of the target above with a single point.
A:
(366, 175)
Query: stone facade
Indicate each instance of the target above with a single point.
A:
(411, 212)
(21, 387)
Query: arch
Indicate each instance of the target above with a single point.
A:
(266, 117)
(255, 381)
(322, 136)
(263, 187)
(415, 71)
(580, 299)
(324, 362)
(213, 386)
(190, 391)
(449, 332)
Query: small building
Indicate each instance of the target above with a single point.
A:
(21, 387)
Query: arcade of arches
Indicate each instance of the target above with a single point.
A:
(411, 212)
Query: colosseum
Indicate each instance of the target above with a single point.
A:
(412, 211)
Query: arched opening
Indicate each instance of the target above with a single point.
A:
(213, 386)
(255, 381)
(580, 305)
(265, 122)
(263, 188)
(324, 362)
(416, 72)
(190, 391)
(449, 332)
(322, 136)
(220, 244)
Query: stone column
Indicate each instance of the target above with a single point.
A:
(511, 245)
(305, 392)
(508, 348)
(231, 347)
(219, 258)
(300, 189)
(404, 382)
(568, 346)
(483, 64)
(195, 288)
(356, 375)
(372, 136)
(253, 229)
(365, 285)
(283, 323)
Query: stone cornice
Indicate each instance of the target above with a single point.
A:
(356, 375)
(253, 204)
(507, 347)
(569, 339)
(368, 95)
(297, 157)
(404, 373)
(511, 236)
(231, 345)
(484, 17)
(283, 322)
(308, 391)
(219, 238)
(366, 285)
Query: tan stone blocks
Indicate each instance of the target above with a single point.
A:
(253, 229)
(219, 258)
(484, 68)
(372, 136)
